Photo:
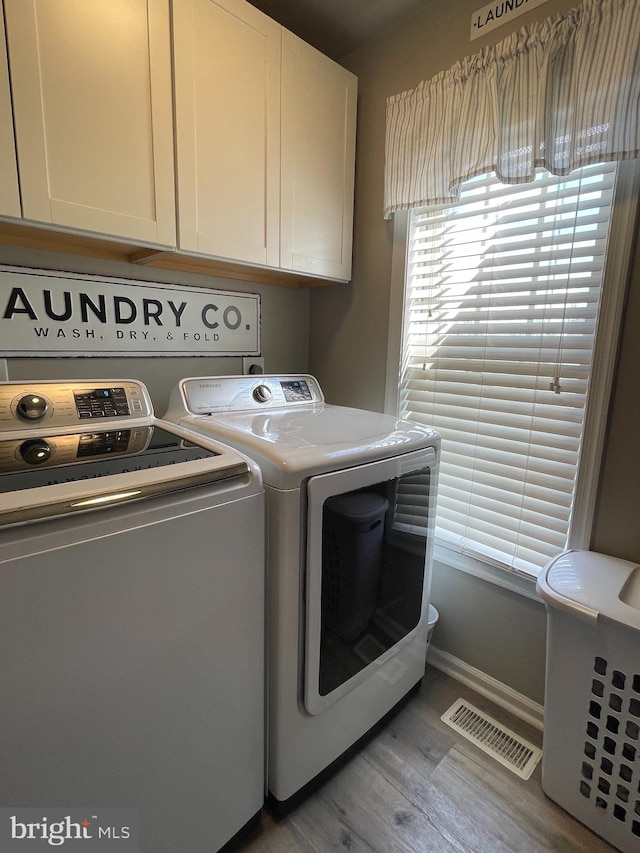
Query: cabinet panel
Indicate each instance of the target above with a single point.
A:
(227, 89)
(91, 87)
(9, 192)
(318, 154)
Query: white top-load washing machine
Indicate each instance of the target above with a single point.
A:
(131, 618)
(350, 504)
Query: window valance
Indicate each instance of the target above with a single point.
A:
(559, 94)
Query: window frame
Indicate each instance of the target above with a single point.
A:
(605, 353)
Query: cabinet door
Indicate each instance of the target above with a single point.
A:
(91, 84)
(227, 90)
(318, 157)
(9, 192)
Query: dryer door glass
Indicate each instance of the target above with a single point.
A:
(368, 569)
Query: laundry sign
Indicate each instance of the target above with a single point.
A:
(48, 314)
(494, 15)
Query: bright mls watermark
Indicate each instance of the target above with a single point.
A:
(75, 829)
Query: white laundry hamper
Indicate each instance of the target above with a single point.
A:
(591, 757)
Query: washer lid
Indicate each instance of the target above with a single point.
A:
(43, 475)
(590, 585)
(292, 444)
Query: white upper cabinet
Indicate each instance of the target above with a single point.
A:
(265, 140)
(9, 192)
(99, 99)
(227, 91)
(318, 157)
(91, 86)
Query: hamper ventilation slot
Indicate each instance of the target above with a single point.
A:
(491, 737)
(618, 796)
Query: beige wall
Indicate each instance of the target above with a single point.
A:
(617, 523)
(491, 629)
(285, 330)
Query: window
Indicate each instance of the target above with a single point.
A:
(503, 302)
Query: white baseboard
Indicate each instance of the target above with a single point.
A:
(501, 694)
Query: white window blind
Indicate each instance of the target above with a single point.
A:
(502, 298)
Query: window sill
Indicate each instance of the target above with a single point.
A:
(519, 584)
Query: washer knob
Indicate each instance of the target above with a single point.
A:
(262, 394)
(35, 451)
(32, 407)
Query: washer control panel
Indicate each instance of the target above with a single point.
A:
(32, 405)
(208, 395)
(102, 403)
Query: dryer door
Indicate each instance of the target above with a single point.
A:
(368, 569)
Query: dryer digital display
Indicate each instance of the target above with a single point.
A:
(295, 391)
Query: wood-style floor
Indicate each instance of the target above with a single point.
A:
(418, 787)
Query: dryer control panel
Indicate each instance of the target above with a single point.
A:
(214, 394)
(26, 406)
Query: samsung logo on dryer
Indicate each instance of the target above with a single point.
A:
(63, 314)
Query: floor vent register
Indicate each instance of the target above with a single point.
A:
(492, 737)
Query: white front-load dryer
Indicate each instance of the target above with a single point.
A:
(131, 623)
(350, 506)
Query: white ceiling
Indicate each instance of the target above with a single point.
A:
(337, 27)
